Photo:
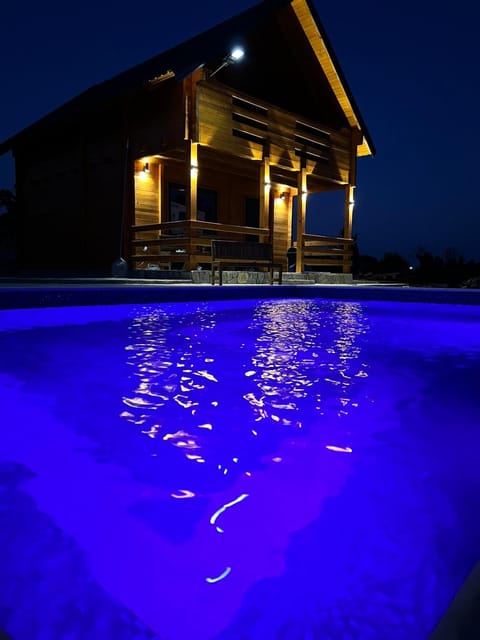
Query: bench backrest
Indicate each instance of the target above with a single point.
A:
(231, 250)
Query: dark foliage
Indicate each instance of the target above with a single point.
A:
(450, 270)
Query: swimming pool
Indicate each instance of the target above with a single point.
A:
(261, 469)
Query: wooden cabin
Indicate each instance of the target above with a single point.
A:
(193, 145)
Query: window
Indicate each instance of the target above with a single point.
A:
(177, 207)
(177, 203)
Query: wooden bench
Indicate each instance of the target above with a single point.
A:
(231, 253)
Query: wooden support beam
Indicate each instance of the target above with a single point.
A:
(350, 193)
(162, 217)
(271, 216)
(301, 215)
(349, 204)
(192, 179)
(191, 167)
(265, 190)
(190, 104)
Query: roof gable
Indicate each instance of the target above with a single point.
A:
(280, 67)
(213, 44)
(320, 43)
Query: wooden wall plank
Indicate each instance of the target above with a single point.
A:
(285, 140)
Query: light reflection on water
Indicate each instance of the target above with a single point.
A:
(207, 385)
(237, 427)
(234, 391)
(304, 350)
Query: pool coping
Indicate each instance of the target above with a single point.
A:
(61, 294)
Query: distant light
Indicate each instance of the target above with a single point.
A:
(237, 54)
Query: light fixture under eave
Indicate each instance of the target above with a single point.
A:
(235, 55)
(146, 168)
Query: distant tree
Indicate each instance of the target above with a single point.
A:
(393, 263)
(454, 265)
(8, 200)
(431, 269)
(367, 264)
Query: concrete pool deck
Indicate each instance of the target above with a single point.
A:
(64, 291)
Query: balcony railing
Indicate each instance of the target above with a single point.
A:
(327, 251)
(188, 242)
(185, 242)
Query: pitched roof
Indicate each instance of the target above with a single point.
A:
(207, 46)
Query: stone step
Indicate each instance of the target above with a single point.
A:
(295, 281)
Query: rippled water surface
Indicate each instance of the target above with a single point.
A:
(278, 469)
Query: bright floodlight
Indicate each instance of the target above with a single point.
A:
(237, 54)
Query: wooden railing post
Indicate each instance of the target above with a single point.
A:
(301, 215)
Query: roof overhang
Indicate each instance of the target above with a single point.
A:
(183, 59)
(310, 22)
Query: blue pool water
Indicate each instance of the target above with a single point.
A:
(261, 470)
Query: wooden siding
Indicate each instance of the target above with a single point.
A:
(147, 210)
(104, 203)
(243, 126)
(232, 189)
(156, 120)
(50, 220)
(71, 202)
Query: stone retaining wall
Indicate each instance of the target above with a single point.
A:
(263, 277)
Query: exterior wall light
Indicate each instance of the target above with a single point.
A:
(235, 55)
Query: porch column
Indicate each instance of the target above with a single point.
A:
(265, 192)
(192, 179)
(349, 204)
(301, 215)
(191, 162)
(350, 196)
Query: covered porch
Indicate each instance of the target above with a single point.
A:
(244, 173)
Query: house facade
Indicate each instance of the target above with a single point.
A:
(224, 136)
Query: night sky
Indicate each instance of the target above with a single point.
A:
(412, 67)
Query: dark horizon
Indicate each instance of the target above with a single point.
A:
(410, 68)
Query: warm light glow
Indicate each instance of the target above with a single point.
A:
(283, 196)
